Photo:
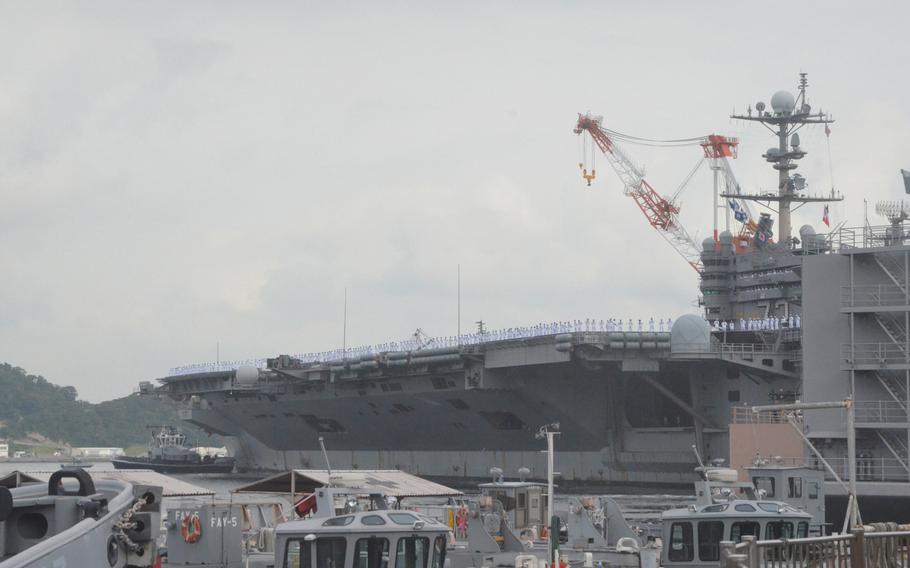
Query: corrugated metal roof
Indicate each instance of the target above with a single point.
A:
(390, 481)
(170, 486)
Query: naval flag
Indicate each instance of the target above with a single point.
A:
(738, 212)
(825, 219)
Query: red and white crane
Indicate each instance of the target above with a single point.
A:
(663, 213)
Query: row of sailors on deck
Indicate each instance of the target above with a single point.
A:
(757, 324)
(538, 330)
(414, 344)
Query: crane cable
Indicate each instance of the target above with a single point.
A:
(654, 141)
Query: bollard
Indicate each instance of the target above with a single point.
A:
(751, 552)
(858, 550)
(727, 548)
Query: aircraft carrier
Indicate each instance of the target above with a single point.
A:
(787, 315)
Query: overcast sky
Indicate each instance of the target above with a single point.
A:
(174, 175)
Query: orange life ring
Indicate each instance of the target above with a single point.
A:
(191, 529)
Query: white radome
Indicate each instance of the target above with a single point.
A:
(783, 102)
(690, 333)
(247, 375)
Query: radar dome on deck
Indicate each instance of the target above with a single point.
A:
(690, 333)
(806, 231)
(707, 244)
(725, 238)
(782, 102)
(246, 375)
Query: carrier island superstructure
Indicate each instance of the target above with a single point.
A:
(630, 403)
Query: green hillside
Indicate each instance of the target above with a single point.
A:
(31, 405)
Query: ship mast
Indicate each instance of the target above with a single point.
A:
(788, 114)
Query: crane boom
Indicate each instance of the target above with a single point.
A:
(661, 213)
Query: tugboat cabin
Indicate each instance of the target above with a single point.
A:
(369, 539)
(524, 503)
(692, 536)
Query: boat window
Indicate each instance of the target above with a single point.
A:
(412, 552)
(681, 543)
(802, 529)
(769, 507)
(794, 487)
(372, 520)
(710, 533)
(439, 552)
(522, 497)
(403, 518)
(778, 529)
(813, 489)
(715, 508)
(371, 552)
(507, 501)
(745, 528)
(766, 483)
(330, 552)
(297, 554)
(745, 508)
(339, 521)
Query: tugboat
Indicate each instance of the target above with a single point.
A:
(169, 454)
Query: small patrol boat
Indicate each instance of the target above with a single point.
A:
(169, 454)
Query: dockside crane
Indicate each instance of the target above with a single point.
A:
(661, 212)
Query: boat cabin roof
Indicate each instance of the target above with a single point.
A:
(366, 522)
(510, 485)
(743, 509)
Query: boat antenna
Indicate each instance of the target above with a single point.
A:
(698, 457)
(325, 455)
(344, 329)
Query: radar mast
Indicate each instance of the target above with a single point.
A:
(788, 114)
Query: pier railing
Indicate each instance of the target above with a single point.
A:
(859, 549)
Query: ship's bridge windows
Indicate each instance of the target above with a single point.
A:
(507, 501)
(439, 552)
(778, 529)
(330, 552)
(766, 483)
(794, 487)
(371, 552)
(745, 528)
(681, 549)
(710, 533)
(813, 490)
(403, 518)
(716, 508)
(339, 521)
(412, 552)
(297, 554)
